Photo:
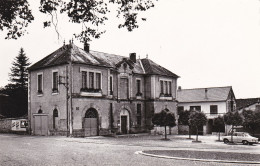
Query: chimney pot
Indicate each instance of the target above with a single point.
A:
(133, 57)
(86, 47)
(206, 93)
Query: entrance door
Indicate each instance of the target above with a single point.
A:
(41, 125)
(91, 122)
(124, 124)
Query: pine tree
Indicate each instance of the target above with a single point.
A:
(19, 73)
(17, 89)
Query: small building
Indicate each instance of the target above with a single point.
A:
(89, 93)
(248, 104)
(212, 101)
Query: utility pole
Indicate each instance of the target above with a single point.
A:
(70, 91)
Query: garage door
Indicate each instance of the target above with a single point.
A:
(40, 124)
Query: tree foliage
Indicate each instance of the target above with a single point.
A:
(218, 124)
(233, 119)
(184, 117)
(19, 73)
(16, 15)
(17, 89)
(164, 118)
(197, 119)
(251, 120)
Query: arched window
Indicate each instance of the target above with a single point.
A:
(91, 113)
(55, 115)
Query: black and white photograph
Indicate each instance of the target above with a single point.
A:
(129, 82)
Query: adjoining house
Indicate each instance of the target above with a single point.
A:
(88, 93)
(212, 101)
(248, 104)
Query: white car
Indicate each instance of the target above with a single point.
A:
(240, 137)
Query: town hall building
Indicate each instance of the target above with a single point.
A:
(80, 92)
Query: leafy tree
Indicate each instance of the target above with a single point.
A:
(164, 118)
(17, 90)
(233, 119)
(16, 15)
(218, 124)
(197, 119)
(251, 120)
(184, 119)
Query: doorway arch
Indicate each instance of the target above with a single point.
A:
(91, 122)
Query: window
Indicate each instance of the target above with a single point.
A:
(139, 114)
(84, 79)
(166, 88)
(213, 109)
(180, 108)
(161, 84)
(170, 88)
(91, 80)
(98, 81)
(124, 90)
(111, 85)
(138, 85)
(39, 83)
(195, 108)
(55, 82)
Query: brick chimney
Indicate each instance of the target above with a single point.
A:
(206, 93)
(133, 57)
(86, 47)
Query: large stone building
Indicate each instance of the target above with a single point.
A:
(213, 101)
(93, 93)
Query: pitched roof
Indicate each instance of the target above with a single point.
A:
(199, 95)
(154, 69)
(71, 52)
(242, 103)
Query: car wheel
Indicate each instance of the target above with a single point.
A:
(245, 142)
(226, 141)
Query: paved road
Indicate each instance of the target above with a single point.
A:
(101, 151)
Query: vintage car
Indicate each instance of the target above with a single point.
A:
(240, 137)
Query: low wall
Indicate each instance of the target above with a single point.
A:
(13, 125)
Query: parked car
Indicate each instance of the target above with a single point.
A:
(240, 137)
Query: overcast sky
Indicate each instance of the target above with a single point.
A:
(208, 43)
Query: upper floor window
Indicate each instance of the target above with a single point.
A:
(91, 80)
(111, 85)
(161, 85)
(55, 81)
(213, 109)
(180, 108)
(195, 108)
(84, 79)
(39, 83)
(98, 81)
(138, 86)
(166, 88)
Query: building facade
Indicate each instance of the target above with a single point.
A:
(88, 93)
(213, 102)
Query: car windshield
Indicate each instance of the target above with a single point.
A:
(246, 135)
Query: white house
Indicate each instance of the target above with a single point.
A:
(212, 101)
